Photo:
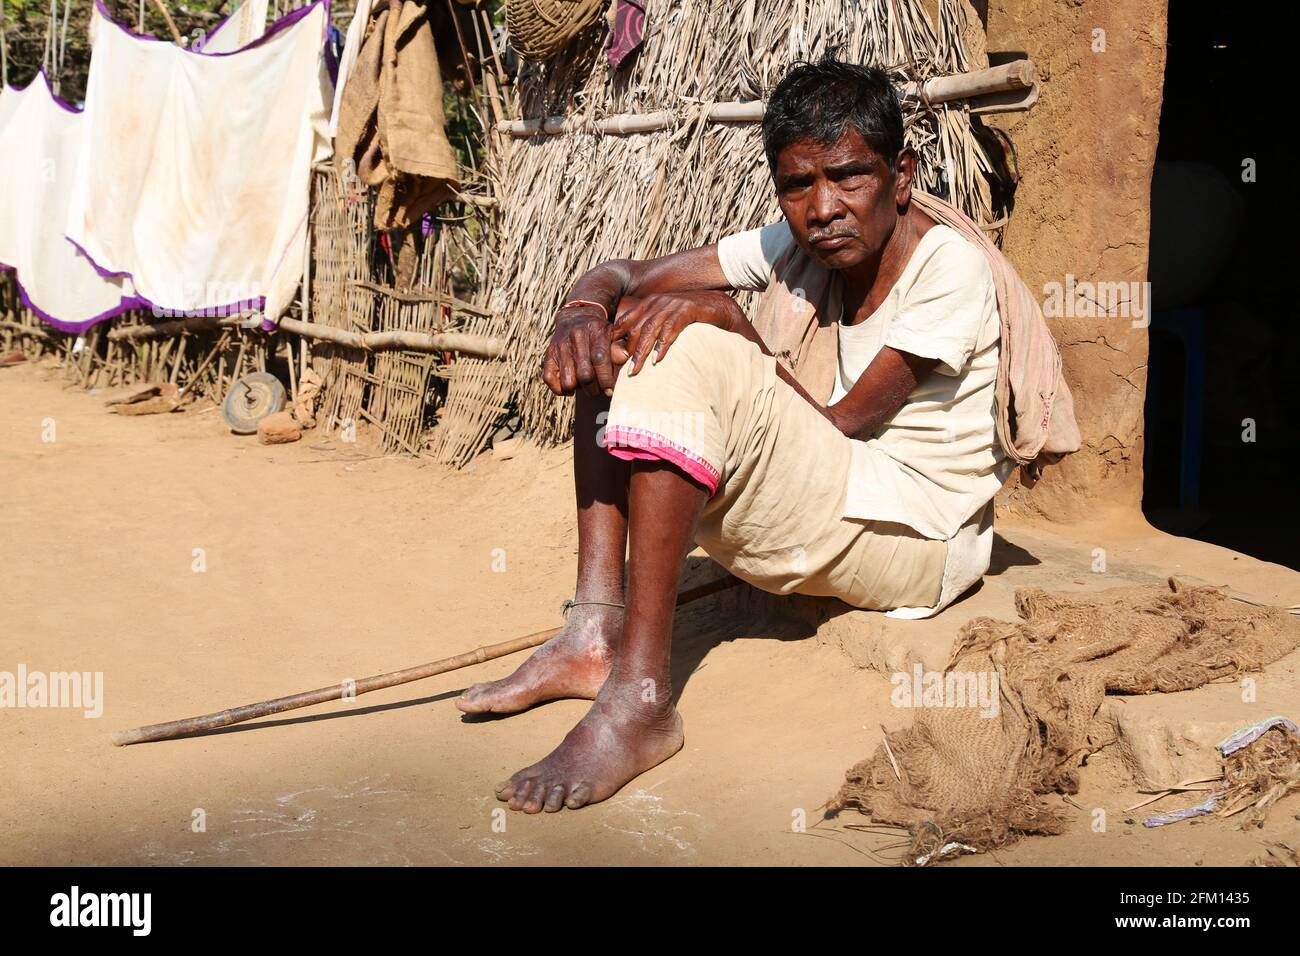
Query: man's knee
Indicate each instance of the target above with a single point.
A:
(694, 361)
(706, 340)
(699, 348)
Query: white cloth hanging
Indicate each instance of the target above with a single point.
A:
(39, 141)
(194, 170)
(241, 28)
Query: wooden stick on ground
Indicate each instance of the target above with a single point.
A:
(237, 715)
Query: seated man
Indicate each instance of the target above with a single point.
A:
(879, 496)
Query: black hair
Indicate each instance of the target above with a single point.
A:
(818, 102)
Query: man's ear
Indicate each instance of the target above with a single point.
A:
(905, 169)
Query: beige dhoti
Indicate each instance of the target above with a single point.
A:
(777, 472)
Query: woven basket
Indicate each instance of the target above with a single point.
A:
(541, 28)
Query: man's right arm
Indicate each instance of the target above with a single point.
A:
(580, 354)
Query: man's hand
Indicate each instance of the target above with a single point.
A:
(654, 323)
(584, 352)
(581, 354)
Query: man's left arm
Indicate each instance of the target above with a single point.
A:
(879, 392)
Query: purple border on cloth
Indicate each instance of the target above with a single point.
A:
(104, 273)
(278, 26)
(128, 302)
(125, 304)
(59, 101)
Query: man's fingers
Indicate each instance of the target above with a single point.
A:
(629, 327)
(627, 321)
(668, 335)
(618, 353)
(568, 374)
(551, 371)
(580, 342)
(645, 343)
(602, 362)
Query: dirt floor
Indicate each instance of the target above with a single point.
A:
(324, 562)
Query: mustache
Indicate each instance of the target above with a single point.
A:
(817, 235)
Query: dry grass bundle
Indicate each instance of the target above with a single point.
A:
(570, 201)
(1257, 776)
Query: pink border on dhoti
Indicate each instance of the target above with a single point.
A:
(637, 443)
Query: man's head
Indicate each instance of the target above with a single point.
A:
(833, 133)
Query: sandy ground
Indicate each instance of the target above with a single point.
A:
(324, 564)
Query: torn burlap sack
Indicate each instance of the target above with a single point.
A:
(390, 121)
(978, 775)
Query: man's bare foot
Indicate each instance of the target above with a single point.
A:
(616, 742)
(574, 663)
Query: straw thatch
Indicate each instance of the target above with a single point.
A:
(572, 200)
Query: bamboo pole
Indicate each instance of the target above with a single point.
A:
(4, 50)
(21, 329)
(203, 323)
(415, 297)
(349, 689)
(478, 346)
(171, 24)
(1016, 75)
(305, 346)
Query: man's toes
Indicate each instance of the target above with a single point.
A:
(579, 796)
(505, 789)
(536, 796)
(520, 796)
(554, 799)
(469, 701)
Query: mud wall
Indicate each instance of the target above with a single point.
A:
(1082, 215)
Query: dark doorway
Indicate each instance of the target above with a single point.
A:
(1222, 428)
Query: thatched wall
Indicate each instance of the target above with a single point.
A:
(571, 201)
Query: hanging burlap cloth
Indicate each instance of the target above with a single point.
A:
(981, 780)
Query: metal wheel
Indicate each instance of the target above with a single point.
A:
(251, 399)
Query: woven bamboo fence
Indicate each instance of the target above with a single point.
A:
(341, 239)
(413, 282)
(571, 200)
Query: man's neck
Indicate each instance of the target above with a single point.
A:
(867, 283)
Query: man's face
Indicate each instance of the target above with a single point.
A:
(840, 200)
